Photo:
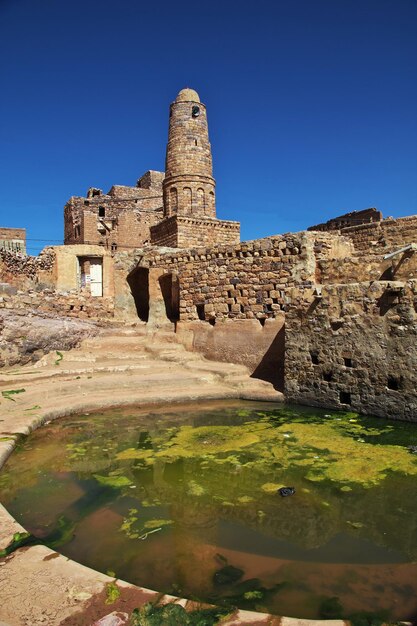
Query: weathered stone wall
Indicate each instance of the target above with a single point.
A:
(245, 342)
(355, 347)
(354, 218)
(244, 281)
(76, 304)
(118, 220)
(186, 232)
(388, 234)
(25, 271)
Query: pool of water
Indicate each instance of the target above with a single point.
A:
(186, 500)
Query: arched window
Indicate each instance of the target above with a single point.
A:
(173, 200)
(201, 200)
(187, 195)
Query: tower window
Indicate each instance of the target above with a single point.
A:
(195, 111)
(196, 142)
(314, 358)
(101, 211)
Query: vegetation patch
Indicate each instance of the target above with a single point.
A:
(11, 392)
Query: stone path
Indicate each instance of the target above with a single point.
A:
(39, 587)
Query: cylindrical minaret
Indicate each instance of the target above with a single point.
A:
(189, 186)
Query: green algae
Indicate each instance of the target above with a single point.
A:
(19, 540)
(156, 484)
(116, 482)
(175, 615)
(112, 593)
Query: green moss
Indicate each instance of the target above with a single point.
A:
(112, 593)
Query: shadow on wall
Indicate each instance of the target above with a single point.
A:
(139, 286)
(271, 366)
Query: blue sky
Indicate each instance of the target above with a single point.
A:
(312, 105)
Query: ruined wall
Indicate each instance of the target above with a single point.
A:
(354, 218)
(74, 305)
(13, 239)
(355, 347)
(388, 234)
(27, 271)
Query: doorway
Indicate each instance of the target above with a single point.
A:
(90, 275)
(138, 281)
(170, 289)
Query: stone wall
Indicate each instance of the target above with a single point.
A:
(354, 347)
(78, 305)
(388, 234)
(244, 281)
(186, 232)
(25, 271)
(245, 342)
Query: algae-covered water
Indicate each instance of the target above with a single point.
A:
(185, 500)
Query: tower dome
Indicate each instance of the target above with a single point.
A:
(187, 95)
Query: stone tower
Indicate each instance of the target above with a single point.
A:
(189, 184)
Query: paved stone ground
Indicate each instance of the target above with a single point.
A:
(39, 587)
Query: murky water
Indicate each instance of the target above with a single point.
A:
(185, 500)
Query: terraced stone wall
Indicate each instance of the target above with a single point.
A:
(354, 347)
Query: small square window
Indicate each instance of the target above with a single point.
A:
(344, 397)
(348, 361)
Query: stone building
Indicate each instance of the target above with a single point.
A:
(176, 208)
(13, 239)
(189, 186)
(118, 220)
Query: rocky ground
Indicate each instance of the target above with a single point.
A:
(26, 336)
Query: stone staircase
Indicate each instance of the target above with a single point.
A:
(121, 366)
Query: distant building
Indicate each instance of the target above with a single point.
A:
(13, 239)
(354, 218)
